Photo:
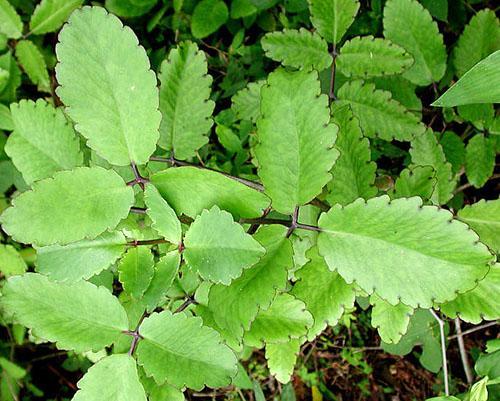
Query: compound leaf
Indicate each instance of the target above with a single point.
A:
(79, 316)
(331, 18)
(73, 205)
(479, 160)
(113, 103)
(49, 15)
(294, 132)
(208, 16)
(10, 21)
(418, 254)
(136, 269)
(281, 359)
(43, 142)
(184, 101)
(391, 321)
(218, 248)
(181, 351)
(33, 64)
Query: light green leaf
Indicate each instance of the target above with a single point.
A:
(484, 218)
(130, 8)
(366, 56)
(402, 91)
(136, 269)
(104, 94)
(331, 18)
(181, 351)
(208, 16)
(481, 84)
(391, 321)
(246, 102)
(6, 122)
(418, 254)
(10, 21)
(218, 248)
(481, 303)
(43, 142)
(11, 262)
(49, 15)
(184, 101)
(234, 307)
(378, 113)
(480, 38)
(353, 172)
(164, 219)
(82, 259)
(324, 292)
(79, 316)
(11, 76)
(408, 24)
(113, 378)
(415, 181)
(33, 64)
(426, 151)
(189, 190)
(12, 369)
(71, 206)
(294, 131)
(479, 390)
(297, 48)
(281, 359)
(479, 160)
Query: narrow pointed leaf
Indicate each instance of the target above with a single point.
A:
(10, 21)
(391, 321)
(479, 160)
(49, 15)
(33, 64)
(136, 269)
(164, 219)
(331, 18)
(281, 359)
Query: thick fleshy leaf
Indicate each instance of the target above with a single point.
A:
(164, 219)
(415, 181)
(418, 254)
(11, 262)
(481, 303)
(281, 359)
(234, 307)
(218, 248)
(79, 316)
(297, 48)
(33, 64)
(43, 141)
(324, 292)
(294, 131)
(49, 15)
(331, 18)
(104, 94)
(246, 102)
(208, 16)
(113, 378)
(408, 24)
(10, 21)
(189, 190)
(71, 206)
(136, 269)
(484, 218)
(181, 351)
(184, 101)
(366, 56)
(378, 113)
(81, 259)
(479, 160)
(391, 321)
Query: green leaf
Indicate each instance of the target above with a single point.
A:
(164, 219)
(82, 259)
(418, 254)
(479, 160)
(454, 149)
(49, 15)
(480, 303)
(281, 359)
(136, 270)
(189, 190)
(113, 378)
(481, 84)
(353, 172)
(208, 16)
(426, 151)
(437, 8)
(12, 75)
(91, 52)
(11, 262)
(43, 142)
(324, 292)
(181, 351)
(378, 113)
(184, 101)
(6, 122)
(218, 248)
(12, 369)
(246, 102)
(286, 319)
(484, 218)
(366, 56)
(294, 131)
(297, 48)
(391, 321)
(71, 206)
(408, 24)
(479, 390)
(33, 64)
(415, 181)
(234, 307)
(402, 91)
(480, 38)
(331, 18)
(10, 21)
(130, 8)
(79, 316)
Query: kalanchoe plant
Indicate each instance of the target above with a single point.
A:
(209, 263)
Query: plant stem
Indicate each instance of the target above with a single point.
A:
(468, 185)
(294, 223)
(443, 351)
(463, 352)
(474, 329)
(137, 210)
(185, 304)
(148, 242)
(331, 93)
(286, 223)
(139, 179)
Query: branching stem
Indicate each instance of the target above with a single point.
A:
(443, 351)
